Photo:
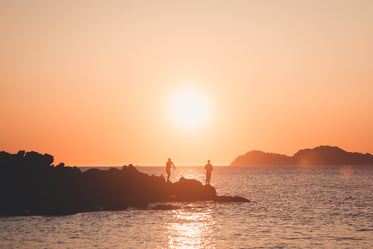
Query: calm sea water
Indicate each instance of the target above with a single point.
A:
(291, 207)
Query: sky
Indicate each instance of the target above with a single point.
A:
(108, 83)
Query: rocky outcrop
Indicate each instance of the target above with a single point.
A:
(30, 184)
(322, 155)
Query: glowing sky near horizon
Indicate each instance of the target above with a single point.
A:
(94, 82)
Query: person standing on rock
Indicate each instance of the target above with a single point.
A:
(208, 168)
(168, 168)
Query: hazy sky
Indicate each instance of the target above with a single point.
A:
(94, 82)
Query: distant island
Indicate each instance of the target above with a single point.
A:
(319, 156)
(31, 185)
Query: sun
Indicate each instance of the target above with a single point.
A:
(189, 108)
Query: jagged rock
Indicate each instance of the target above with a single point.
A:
(38, 160)
(61, 165)
(20, 154)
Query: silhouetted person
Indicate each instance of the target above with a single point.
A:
(208, 168)
(168, 168)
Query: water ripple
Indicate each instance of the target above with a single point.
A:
(291, 207)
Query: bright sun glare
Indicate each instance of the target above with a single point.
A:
(189, 109)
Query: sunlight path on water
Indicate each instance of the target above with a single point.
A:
(191, 229)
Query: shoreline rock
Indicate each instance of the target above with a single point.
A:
(31, 185)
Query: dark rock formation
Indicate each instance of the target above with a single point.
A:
(322, 155)
(191, 190)
(30, 184)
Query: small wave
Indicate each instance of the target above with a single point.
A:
(296, 238)
(347, 238)
(165, 207)
(364, 230)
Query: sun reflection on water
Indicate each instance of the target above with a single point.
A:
(191, 228)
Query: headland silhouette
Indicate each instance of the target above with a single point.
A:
(31, 185)
(319, 156)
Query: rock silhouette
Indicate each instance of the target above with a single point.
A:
(322, 155)
(31, 185)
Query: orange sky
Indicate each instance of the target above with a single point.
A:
(91, 82)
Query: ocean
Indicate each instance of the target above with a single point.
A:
(291, 207)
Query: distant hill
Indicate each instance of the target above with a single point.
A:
(322, 155)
